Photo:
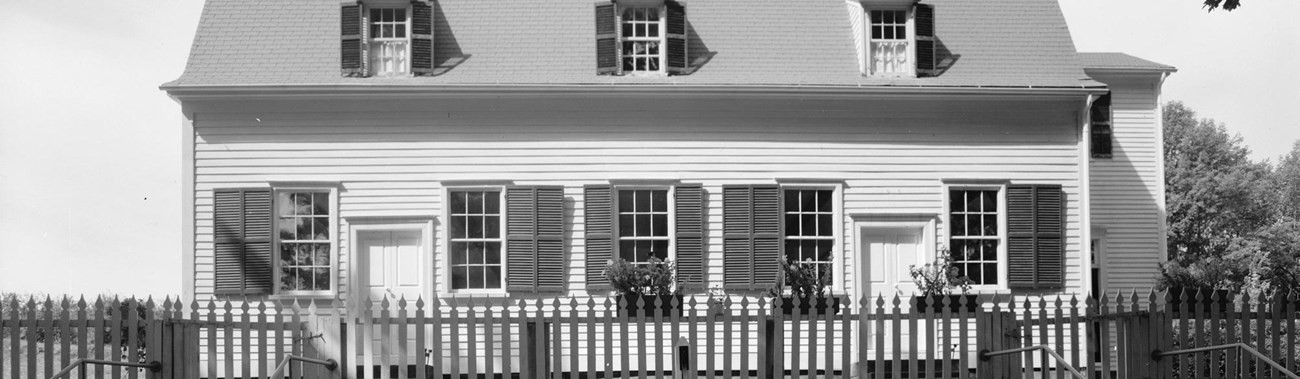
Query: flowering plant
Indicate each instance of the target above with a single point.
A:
(654, 277)
(936, 278)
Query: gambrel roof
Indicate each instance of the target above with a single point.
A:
(1002, 43)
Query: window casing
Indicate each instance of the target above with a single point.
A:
(475, 240)
(890, 36)
(305, 235)
(390, 41)
(977, 236)
(642, 34)
(644, 224)
(809, 220)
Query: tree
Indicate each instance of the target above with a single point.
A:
(1288, 184)
(1215, 195)
(1228, 5)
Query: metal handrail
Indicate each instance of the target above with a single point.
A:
(329, 364)
(1157, 354)
(154, 366)
(985, 355)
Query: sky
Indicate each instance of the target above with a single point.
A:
(90, 148)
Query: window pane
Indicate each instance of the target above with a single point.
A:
(321, 254)
(625, 199)
(653, 63)
(957, 201)
(807, 250)
(474, 225)
(492, 227)
(643, 250)
(627, 32)
(458, 202)
(889, 33)
(388, 31)
(493, 277)
(492, 202)
(652, 30)
(388, 15)
(399, 15)
(643, 225)
(460, 277)
(287, 279)
(375, 15)
(660, 228)
(287, 254)
(958, 225)
(990, 248)
(900, 32)
(824, 250)
(660, 249)
(401, 31)
(458, 227)
(320, 204)
(301, 203)
(374, 30)
(476, 253)
(660, 200)
(973, 201)
(824, 201)
(492, 252)
(807, 201)
(288, 228)
(640, 64)
(475, 202)
(322, 282)
(990, 273)
(459, 253)
(792, 250)
(975, 272)
(652, 14)
(792, 224)
(626, 225)
(629, 64)
(476, 275)
(972, 225)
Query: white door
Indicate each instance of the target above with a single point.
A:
(392, 265)
(888, 254)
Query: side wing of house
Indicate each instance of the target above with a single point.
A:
(1127, 172)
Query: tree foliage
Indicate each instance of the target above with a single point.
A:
(1233, 223)
(1228, 5)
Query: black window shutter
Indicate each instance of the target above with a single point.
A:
(598, 205)
(242, 241)
(1102, 139)
(1035, 236)
(925, 41)
(606, 38)
(421, 38)
(352, 43)
(535, 239)
(751, 223)
(689, 203)
(677, 39)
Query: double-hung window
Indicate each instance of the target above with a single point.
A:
(476, 240)
(810, 229)
(976, 237)
(643, 38)
(390, 42)
(643, 226)
(890, 50)
(305, 234)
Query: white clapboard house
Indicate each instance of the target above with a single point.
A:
(335, 151)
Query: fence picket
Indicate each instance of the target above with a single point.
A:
(435, 311)
(610, 313)
(591, 338)
(401, 342)
(897, 340)
(421, 346)
(963, 339)
(1215, 338)
(846, 342)
(557, 351)
(744, 336)
(65, 334)
(710, 334)
(1292, 340)
(471, 337)
(488, 331)
(879, 317)
(574, 348)
(1260, 338)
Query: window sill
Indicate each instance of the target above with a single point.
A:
(330, 296)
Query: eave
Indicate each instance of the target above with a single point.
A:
(308, 91)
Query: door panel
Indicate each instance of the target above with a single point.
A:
(889, 254)
(394, 263)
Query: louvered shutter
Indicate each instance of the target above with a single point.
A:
(606, 38)
(689, 203)
(535, 239)
(352, 43)
(242, 241)
(421, 38)
(1102, 141)
(678, 52)
(751, 223)
(1035, 236)
(925, 41)
(598, 205)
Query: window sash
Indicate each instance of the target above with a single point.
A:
(289, 270)
(629, 31)
(998, 278)
(621, 194)
(455, 216)
(796, 233)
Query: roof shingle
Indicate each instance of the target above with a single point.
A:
(1002, 43)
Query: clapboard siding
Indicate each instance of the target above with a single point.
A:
(890, 156)
(1125, 197)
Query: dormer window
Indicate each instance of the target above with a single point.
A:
(899, 39)
(644, 38)
(386, 38)
(890, 51)
(390, 43)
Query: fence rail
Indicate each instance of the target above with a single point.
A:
(690, 337)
